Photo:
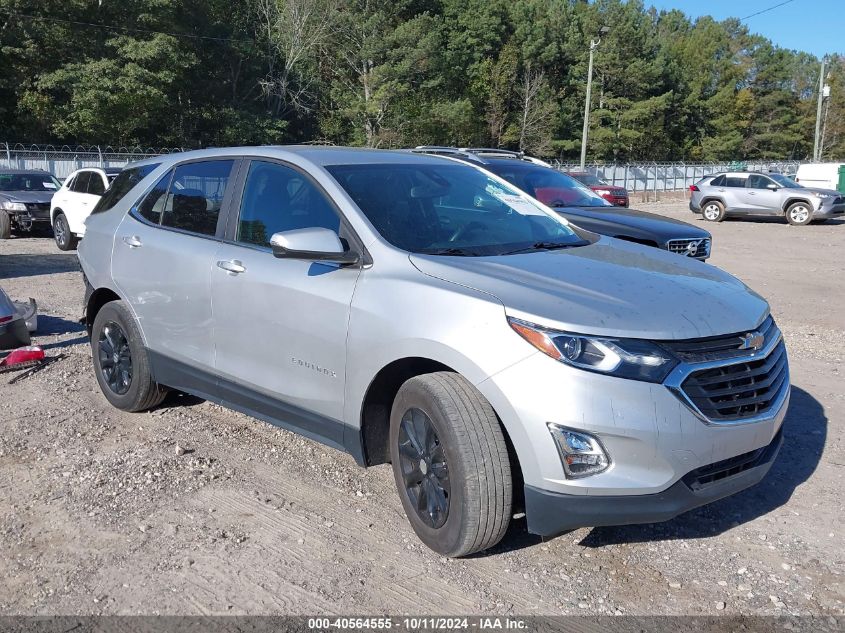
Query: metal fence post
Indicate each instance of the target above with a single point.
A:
(8, 155)
(100, 154)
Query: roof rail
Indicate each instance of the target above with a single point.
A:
(493, 150)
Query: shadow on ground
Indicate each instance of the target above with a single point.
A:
(12, 266)
(805, 433)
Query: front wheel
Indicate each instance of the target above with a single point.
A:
(713, 211)
(450, 462)
(121, 362)
(65, 240)
(799, 213)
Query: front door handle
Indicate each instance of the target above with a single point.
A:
(133, 241)
(232, 266)
(752, 193)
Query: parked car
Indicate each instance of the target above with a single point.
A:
(74, 201)
(614, 194)
(422, 311)
(752, 193)
(580, 205)
(25, 200)
(822, 175)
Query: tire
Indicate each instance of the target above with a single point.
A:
(799, 213)
(713, 211)
(464, 464)
(115, 336)
(5, 225)
(65, 240)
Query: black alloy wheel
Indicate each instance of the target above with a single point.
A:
(424, 469)
(115, 358)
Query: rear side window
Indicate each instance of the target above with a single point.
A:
(123, 184)
(196, 195)
(718, 181)
(95, 185)
(156, 200)
(735, 181)
(80, 183)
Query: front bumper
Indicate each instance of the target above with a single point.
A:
(829, 211)
(551, 513)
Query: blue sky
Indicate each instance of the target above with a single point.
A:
(815, 26)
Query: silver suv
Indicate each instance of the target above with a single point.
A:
(752, 193)
(420, 311)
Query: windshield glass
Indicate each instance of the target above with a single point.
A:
(450, 209)
(549, 186)
(784, 181)
(588, 179)
(28, 182)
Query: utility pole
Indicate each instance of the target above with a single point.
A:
(593, 45)
(817, 137)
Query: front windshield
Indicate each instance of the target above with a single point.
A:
(28, 182)
(450, 209)
(784, 181)
(549, 186)
(588, 179)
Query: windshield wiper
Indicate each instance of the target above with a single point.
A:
(456, 252)
(544, 246)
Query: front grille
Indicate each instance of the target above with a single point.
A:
(691, 247)
(839, 200)
(720, 347)
(741, 390)
(38, 206)
(713, 473)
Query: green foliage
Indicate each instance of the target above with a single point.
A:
(388, 73)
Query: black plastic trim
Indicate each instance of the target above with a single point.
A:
(227, 393)
(551, 513)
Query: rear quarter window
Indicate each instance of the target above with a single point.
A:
(123, 184)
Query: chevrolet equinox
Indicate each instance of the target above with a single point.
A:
(419, 311)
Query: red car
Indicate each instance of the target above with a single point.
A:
(615, 195)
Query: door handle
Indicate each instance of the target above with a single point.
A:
(752, 193)
(133, 241)
(232, 266)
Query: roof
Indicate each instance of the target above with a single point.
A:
(317, 154)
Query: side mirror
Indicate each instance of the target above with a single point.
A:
(314, 244)
(772, 186)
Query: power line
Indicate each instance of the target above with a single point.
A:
(127, 29)
(765, 10)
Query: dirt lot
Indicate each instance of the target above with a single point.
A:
(100, 512)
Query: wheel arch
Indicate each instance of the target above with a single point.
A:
(790, 201)
(54, 211)
(711, 198)
(378, 400)
(97, 299)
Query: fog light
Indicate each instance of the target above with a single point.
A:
(582, 454)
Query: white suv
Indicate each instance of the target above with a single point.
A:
(73, 202)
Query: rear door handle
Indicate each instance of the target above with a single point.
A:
(232, 266)
(133, 241)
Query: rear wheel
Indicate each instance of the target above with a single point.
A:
(799, 213)
(450, 463)
(121, 362)
(713, 211)
(65, 240)
(5, 225)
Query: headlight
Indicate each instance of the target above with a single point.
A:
(603, 192)
(12, 206)
(581, 453)
(625, 358)
(822, 195)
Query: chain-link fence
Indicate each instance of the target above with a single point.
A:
(643, 177)
(658, 177)
(62, 160)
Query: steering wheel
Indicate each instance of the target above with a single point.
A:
(467, 228)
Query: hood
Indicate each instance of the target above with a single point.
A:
(614, 189)
(830, 192)
(31, 197)
(609, 288)
(603, 219)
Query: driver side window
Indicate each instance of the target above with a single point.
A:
(277, 198)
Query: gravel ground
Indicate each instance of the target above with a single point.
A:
(193, 509)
